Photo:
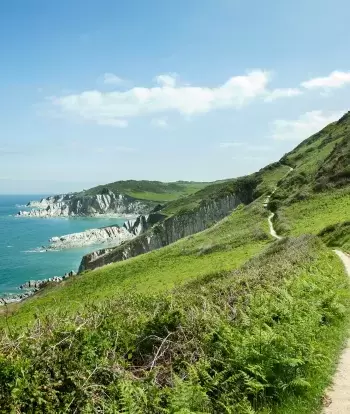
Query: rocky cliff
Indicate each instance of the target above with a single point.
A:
(78, 204)
(104, 235)
(155, 232)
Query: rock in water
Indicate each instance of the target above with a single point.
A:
(110, 234)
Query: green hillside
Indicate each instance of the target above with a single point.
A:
(259, 183)
(149, 190)
(317, 192)
(227, 320)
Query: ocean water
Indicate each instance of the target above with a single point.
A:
(20, 236)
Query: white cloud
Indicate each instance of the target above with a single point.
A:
(167, 80)
(335, 79)
(282, 93)
(159, 122)
(112, 79)
(230, 144)
(112, 108)
(304, 126)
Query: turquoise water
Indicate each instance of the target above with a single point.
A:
(20, 236)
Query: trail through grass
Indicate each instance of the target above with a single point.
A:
(262, 338)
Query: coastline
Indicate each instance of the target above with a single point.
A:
(31, 287)
(22, 261)
(78, 216)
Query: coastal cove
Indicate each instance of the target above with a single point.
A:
(20, 238)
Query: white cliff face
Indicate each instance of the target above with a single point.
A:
(137, 226)
(163, 232)
(110, 235)
(66, 205)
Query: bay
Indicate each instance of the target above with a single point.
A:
(21, 236)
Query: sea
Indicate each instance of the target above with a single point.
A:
(21, 258)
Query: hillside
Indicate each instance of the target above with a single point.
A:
(257, 184)
(121, 198)
(187, 216)
(226, 320)
(317, 193)
(148, 190)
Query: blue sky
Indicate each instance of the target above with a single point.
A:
(97, 91)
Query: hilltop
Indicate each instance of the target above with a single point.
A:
(121, 198)
(148, 190)
(317, 192)
(223, 320)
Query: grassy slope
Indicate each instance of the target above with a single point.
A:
(264, 337)
(268, 178)
(317, 193)
(261, 339)
(337, 235)
(315, 213)
(224, 246)
(150, 190)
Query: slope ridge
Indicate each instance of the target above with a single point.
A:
(226, 320)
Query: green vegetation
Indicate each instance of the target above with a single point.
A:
(149, 190)
(223, 321)
(244, 185)
(260, 339)
(316, 194)
(314, 214)
(223, 246)
(337, 235)
(321, 163)
(249, 187)
(270, 176)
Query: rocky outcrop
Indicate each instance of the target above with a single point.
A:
(79, 204)
(142, 223)
(31, 287)
(163, 232)
(111, 234)
(45, 202)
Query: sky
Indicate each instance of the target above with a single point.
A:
(97, 91)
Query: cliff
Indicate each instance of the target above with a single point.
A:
(156, 232)
(79, 204)
(111, 234)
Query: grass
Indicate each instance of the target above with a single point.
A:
(224, 321)
(311, 151)
(315, 213)
(271, 175)
(156, 191)
(260, 339)
(224, 246)
(321, 162)
(182, 190)
(337, 235)
(248, 187)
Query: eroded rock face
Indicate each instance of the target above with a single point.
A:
(162, 232)
(143, 222)
(78, 204)
(108, 235)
